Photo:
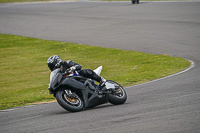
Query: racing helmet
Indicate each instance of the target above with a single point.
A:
(53, 61)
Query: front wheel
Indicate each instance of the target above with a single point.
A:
(71, 103)
(119, 96)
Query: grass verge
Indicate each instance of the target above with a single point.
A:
(15, 1)
(25, 76)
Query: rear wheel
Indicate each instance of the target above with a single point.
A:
(118, 96)
(70, 102)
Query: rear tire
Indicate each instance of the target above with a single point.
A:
(119, 97)
(72, 105)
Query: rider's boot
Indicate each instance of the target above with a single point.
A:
(102, 85)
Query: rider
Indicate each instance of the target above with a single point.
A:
(69, 66)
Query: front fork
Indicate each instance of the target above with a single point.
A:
(70, 94)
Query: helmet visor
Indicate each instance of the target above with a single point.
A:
(51, 66)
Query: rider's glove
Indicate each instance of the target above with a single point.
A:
(71, 69)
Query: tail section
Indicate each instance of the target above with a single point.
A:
(98, 70)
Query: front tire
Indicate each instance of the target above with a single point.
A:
(119, 97)
(70, 104)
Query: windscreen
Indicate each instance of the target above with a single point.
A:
(55, 77)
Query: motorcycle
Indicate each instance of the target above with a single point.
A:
(135, 1)
(75, 92)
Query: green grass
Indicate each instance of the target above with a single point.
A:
(25, 76)
(13, 1)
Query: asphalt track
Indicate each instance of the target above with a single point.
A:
(169, 105)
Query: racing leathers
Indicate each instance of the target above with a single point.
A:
(70, 66)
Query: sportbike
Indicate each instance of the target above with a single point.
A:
(75, 92)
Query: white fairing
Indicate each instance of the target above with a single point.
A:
(98, 70)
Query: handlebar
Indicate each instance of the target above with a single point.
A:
(72, 74)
